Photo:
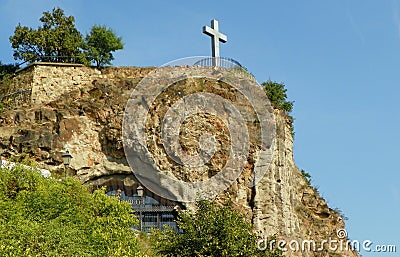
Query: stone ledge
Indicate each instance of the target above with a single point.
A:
(50, 64)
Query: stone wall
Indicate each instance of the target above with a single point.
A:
(19, 98)
(21, 80)
(48, 81)
(16, 91)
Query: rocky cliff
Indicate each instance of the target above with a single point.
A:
(81, 109)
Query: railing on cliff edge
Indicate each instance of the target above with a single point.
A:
(222, 62)
(50, 58)
(225, 63)
(17, 98)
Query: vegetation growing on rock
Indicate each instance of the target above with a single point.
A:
(276, 93)
(210, 231)
(46, 217)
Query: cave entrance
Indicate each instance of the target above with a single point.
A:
(152, 210)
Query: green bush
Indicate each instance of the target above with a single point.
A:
(46, 217)
(276, 93)
(210, 231)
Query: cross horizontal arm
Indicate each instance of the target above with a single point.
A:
(213, 33)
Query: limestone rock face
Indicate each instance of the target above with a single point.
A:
(287, 206)
(81, 109)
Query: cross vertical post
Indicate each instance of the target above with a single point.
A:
(216, 37)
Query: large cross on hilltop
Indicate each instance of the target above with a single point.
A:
(216, 36)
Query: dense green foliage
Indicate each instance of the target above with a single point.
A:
(100, 43)
(276, 93)
(58, 40)
(46, 217)
(210, 231)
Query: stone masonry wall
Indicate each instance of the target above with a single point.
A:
(50, 82)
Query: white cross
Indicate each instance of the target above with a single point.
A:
(216, 36)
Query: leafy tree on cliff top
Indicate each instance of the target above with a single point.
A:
(100, 43)
(56, 40)
(210, 231)
(46, 217)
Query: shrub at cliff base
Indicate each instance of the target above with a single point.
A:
(210, 231)
(46, 217)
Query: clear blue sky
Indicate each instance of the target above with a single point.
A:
(339, 59)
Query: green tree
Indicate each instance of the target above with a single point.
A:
(46, 217)
(276, 93)
(100, 43)
(56, 40)
(210, 231)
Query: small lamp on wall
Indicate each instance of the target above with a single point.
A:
(66, 157)
(140, 191)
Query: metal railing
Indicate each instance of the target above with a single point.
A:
(150, 212)
(222, 62)
(66, 59)
(52, 58)
(139, 205)
(16, 98)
